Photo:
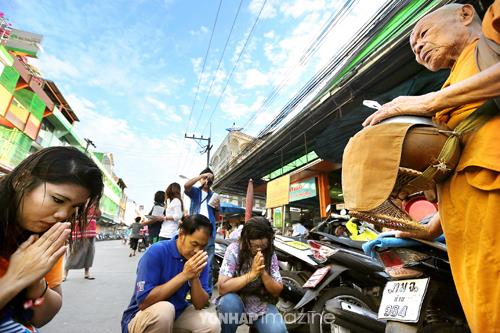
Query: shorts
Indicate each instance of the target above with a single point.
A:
(133, 243)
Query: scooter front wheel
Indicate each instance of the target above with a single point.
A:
(285, 306)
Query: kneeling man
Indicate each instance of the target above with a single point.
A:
(165, 274)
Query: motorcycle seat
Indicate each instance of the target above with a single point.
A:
(342, 240)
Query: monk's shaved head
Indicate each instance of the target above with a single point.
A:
(439, 37)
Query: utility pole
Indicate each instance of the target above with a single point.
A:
(206, 149)
(89, 142)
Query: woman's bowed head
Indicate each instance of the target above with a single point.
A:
(41, 201)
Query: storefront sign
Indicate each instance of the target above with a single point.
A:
(277, 217)
(277, 192)
(303, 189)
(24, 42)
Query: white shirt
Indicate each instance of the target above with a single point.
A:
(204, 204)
(169, 227)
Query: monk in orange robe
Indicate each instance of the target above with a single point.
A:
(469, 201)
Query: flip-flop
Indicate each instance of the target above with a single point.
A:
(90, 278)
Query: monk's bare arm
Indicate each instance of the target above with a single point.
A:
(484, 85)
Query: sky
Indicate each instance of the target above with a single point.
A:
(139, 74)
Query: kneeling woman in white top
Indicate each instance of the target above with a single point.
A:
(173, 212)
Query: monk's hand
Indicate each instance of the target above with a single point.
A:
(431, 230)
(420, 234)
(403, 105)
(36, 256)
(195, 265)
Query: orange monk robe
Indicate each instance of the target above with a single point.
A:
(470, 202)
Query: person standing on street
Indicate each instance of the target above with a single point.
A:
(157, 214)
(165, 274)
(173, 213)
(202, 202)
(135, 235)
(82, 255)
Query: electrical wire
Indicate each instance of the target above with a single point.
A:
(220, 62)
(313, 47)
(199, 80)
(237, 61)
(324, 75)
(204, 64)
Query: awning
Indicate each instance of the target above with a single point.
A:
(229, 208)
(33, 82)
(378, 60)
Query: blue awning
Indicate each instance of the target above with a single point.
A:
(229, 208)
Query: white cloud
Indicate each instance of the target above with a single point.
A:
(55, 68)
(201, 31)
(196, 63)
(185, 110)
(300, 7)
(156, 103)
(146, 161)
(255, 78)
(234, 108)
(167, 112)
(270, 34)
(268, 12)
(162, 88)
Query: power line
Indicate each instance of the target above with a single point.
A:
(312, 48)
(326, 73)
(236, 63)
(201, 76)
(204, 63)
(220, 62)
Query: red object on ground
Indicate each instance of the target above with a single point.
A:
(249, 201)
(419, 207)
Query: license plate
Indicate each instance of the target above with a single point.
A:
(317, 277)
(402, 300)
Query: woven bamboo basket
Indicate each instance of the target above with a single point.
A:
(390, 214)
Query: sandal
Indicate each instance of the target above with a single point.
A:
(90, 278)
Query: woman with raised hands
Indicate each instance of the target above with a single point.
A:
(41, 201)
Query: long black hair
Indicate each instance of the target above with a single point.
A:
(56, 165)
(256, 228)
(174, 191)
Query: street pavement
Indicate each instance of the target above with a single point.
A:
(96, 306)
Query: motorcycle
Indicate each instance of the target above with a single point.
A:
(296, 266)
(221, 245)
(350, 274)
(347, 275)
(418, 296)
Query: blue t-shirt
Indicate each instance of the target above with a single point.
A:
(159, 264)
(195, 195)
